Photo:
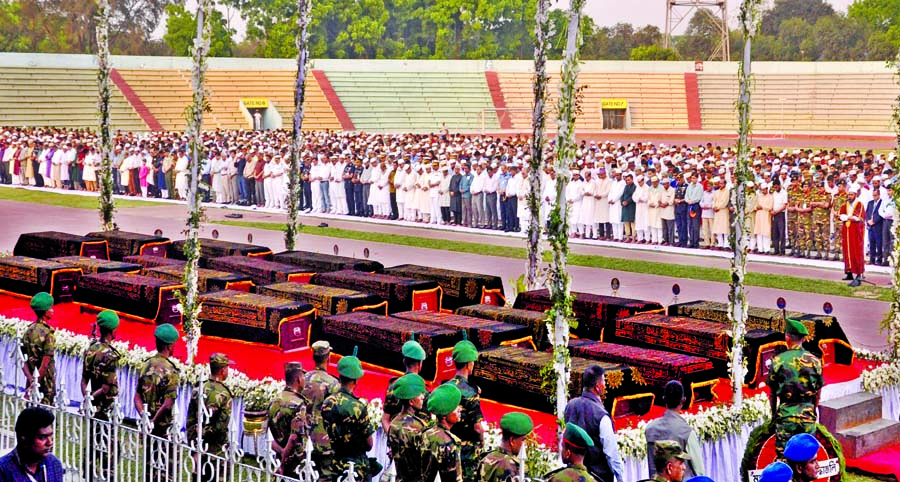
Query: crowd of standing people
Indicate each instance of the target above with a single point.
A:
(641, 193)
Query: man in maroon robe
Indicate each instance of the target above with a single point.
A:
(853, 215)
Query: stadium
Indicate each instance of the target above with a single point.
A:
(663, 238)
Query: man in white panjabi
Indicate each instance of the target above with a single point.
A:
(667, 213)
(762, 228)
(399, 180)
(435, 178)
(654, 218)
(587, 215)
(601, 204)
(410, 184)
(617, 188)
(641, 198)
(574, 196)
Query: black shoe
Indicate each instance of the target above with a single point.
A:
(849, 277)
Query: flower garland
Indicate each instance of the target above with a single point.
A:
(875, 356)
(891, 322)
(304, 8)
(190, 306)
(558, 230)
(542, 34)
(107, 207)
(737, 300)
(881, 377)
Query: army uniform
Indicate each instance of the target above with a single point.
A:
(470, 418)
(289, 415)
(347, 423)
(405, 432)
(840, 198)
(441, 448)
(795, 379)
(821, 229)
(158, 381)
(217, 399)
(795, 200)
(40, 341)
(318, 386)
(805, 230)
(100, 364)
(574, 438)
(502, 465)
(392, 405)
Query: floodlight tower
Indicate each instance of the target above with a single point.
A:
(677, 11)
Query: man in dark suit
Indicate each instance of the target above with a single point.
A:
(874, 223)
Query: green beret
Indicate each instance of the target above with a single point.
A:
(668, 450)
(108, 320)
(465, 352)
(517, 423)
(409, 386)
(350, 367)
(795, 327)
(41, 302)
(577, 438)
(444, 400)
(166, 333)
(219, 360)
(412, 349)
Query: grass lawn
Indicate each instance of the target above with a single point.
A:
(789, 283)
(65, 200)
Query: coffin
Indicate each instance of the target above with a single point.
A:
(256, 318)
(402, 294)
(512, 375)
(262, 272)
(380, 340)
(536, 321)
(327, 262)
(596, 314)
(699, 337)
(483, 333)
(217, 248)
(94, 265)
(148, 299)
(208, 280)
(327, 301)
(696, 374)
(123, 243)
(29, 276)
(825, 333)
(459, 287)
(154, 261)
(53, 244)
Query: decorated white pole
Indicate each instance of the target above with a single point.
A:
(107, 208)
(892, 321)
(190, 306)
(749, 16)
(542, 33)
(304, 9)
(560, 315)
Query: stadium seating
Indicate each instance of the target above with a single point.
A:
(655, 101)
(415, 101)
(165, 93)
(844, 102)
(59, 97)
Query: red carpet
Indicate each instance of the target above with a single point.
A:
(258, 361)
(883, 462)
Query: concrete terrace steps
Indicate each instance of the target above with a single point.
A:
(856, 422)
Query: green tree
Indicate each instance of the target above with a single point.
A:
(653, 52)
(836, 38)
(879, 14)
(792, 33)
(181, 28)
(702, 37)
(808, 10)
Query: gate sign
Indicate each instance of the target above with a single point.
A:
(827, 468)
(255, 102)
(613, 104)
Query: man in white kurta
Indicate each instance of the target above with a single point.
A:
(642, 210)
(654, 218)
(574, 197)
(435, 177)
(588, 206)
(617, 188)
(399, 179)
(601, 205)
(667, 213)
(409, 191)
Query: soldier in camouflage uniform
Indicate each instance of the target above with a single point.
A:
(502, 465)
(440, 452)
(840, 198)
(217, 400)
(405, 432)
(795, 202)
(100, 363)
(470, 428)
(413, 356)
(575, 444)
(319, 385)
(670, 460)
(38, 346)
(821, 227)
(795, 381)
(157, 386)
(806, 236)
(347, 422)
(289, 420)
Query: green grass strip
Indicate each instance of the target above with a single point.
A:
(763, 280)
(65, 200)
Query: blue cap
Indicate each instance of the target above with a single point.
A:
(801, 448)
(700, 478)
(777, 472)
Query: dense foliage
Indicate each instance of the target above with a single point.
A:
(791, 30)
